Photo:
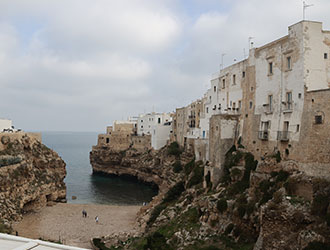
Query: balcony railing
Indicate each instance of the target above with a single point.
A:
(283, 135)
(288, 107)
(263, 135)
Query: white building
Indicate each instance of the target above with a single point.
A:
(158, 125)
(5, 124)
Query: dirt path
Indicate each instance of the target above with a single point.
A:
(65, 222)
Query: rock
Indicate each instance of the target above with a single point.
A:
(74, 197)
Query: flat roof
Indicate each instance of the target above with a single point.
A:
(11, 242)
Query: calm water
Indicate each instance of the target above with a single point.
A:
(74, 149)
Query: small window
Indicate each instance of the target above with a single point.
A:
(288, 62)
(243, 74)
(270, 103)
(297, 130)
(234, 79)
(289, 100)
(215, 88)
(270, 68)
(210, 97)
(299, 95)
(325, 55)
(239, 104)
(158, 120)
(223, 83)
(318, 119)
(141, 120)
(207, 110)
(251, 104)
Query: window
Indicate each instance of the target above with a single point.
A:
(299, 95)
(251, 104)
(234, 105)
(318, 119)
(325, 55)
(215, 88)
(286, 126)
(207, 110)
(243, 74)
(270, 103)
(141, 120)
(234, 79)
(288, 63)
(270, 68)
(289, 100)
(239, 104)
(210, 98)
(107, 140)
(265, 126)
(214, 107)
(223, 83)
(297, 130)
(158, 120)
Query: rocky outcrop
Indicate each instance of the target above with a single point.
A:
(31, 175)
(151, 166)
(257, 205)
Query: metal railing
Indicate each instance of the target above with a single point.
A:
(283, 135)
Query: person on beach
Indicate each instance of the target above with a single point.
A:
(97, 219)
(84, 213)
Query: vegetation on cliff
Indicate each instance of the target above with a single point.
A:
(256, 205)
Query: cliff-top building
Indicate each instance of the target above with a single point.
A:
(278, 99)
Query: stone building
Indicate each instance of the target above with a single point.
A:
(122, 135)
(278, 99)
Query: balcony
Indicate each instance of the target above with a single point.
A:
(283, 135)
(268, 109)
(192, 116)
(263, 135)
(288, 107)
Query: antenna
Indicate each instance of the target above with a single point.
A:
(250, 38)
(305, 6)
(222, 55)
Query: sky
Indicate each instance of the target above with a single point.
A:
(78, 65)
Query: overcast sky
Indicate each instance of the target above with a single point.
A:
(77, 65)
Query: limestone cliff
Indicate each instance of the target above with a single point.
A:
(151, 166)
(257, 205)
(30, 176)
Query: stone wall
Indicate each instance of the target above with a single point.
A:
(222, 137)
(141, 143)
(17, 136)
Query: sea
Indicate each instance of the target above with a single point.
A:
(74, 149)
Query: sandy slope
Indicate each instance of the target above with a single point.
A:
(65, 221)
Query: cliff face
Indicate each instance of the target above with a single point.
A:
(257, 205)
(150, 166)
(30, 176)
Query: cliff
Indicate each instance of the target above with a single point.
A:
(257, 205)
(31, 175)
(150, 166)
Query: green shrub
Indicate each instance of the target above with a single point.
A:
(99, 244)
(177, 167)
(229, 228)
(4, 229)
(174, 149)
(197, 176)
(278, 156)
(327, 219)
(222, 205)
(174, 192)
(316, 245)
(156, 241)
(241, 210)
(320, 205)
(282, 176)
(189, 167)
(155, 213)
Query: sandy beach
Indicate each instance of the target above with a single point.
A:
(65, 222)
